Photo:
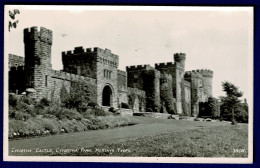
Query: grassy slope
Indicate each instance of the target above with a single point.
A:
(218, 141)
(152, 137)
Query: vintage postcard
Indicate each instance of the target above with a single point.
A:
(128, 84)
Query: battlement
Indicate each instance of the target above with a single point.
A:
(81, 50)
(136, 91)
(119, 72)
(164, 65)
(71, 77)
(19, 68)
(205, 72)
(193, 74)
(139, 67)
(36, 33)
(15, 57)
(179, 57)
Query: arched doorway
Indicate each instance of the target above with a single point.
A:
(107, 96)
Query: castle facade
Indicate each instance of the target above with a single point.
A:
(166, 87)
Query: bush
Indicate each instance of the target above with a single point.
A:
(92, 104)
(82, 107)
(13, 101)
(125, 105)
(112, 109)
(70, 114)
(99, 112)
(50, 116)
(26, 108)
(44, 102)
(27, 100)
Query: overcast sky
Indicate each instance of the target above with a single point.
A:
(219, 39)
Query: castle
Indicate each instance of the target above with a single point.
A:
(164, 88)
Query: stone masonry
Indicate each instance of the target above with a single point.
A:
(166, 87)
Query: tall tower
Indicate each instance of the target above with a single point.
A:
(179, 59)
(38, 66)
(207, 81)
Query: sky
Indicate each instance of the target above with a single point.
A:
(215, 38)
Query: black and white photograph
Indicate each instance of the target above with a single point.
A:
(156, 84)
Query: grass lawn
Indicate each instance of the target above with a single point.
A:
(150, 138)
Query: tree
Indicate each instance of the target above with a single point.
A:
(232, 97)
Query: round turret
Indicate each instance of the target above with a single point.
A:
(207, 80)
(179, 59)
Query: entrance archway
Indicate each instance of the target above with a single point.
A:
(107, 96)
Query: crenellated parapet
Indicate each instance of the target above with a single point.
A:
(179, 57)
(104, 56)
(17, 69)
(192, 74)
(81, 50)
(36, 33)
(139, 67)
(164, 65)
(122, 73)
(15, 57)
(205, 72)
(71, 77)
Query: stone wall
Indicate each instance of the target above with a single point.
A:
(60, 79)
(151, 86)
(107, 64)
(38, 44)
(121, 79)
(15, 61)
(139, 99)
(167, 102)
(81, 61)
(122, 95)
(135, 76)
(99, 67)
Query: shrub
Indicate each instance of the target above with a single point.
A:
(39, 107)
(13, 101)
(92, 104)
(149, 110)
(99, 112)
(27, 100)
(82, 107)
(112, 109)
(70, 114)
(44, 102)
(21, 116)
(50, 116)
(26, 108)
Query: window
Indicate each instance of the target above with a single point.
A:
(104, 73)
(46, 80)
(107, 74)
